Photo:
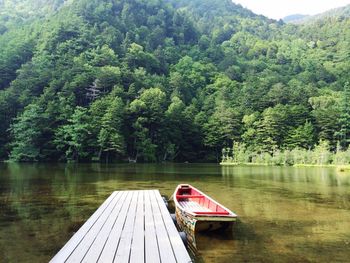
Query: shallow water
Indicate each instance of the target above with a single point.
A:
(286, 214)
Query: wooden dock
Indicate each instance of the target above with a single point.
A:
(130, 226)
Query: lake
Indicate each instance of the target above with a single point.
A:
(286, 214)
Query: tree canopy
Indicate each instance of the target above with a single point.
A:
(167, 80)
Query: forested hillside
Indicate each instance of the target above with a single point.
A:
(295, 19)
(167, 80)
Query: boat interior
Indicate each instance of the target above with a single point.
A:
(194, 201)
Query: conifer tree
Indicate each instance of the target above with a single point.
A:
(344, 120)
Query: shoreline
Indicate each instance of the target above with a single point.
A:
(340, 167)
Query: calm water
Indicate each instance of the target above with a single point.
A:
(286, 214)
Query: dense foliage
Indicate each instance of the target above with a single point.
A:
(320, 155)
(167, 80)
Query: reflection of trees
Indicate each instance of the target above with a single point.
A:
(319, 178)
(39, 204)
(42, 205)
(288, 206)
(285, 193)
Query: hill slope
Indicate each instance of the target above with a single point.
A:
(337, 13)
(165, 80)
(296, 18)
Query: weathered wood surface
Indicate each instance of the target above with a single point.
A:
(130, 226)
(194, 206)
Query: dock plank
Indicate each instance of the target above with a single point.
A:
(69, 247)
(78, 254)
(138, 240)
(165, 249)
(151, 244)
(112, 243)
(130, 226)
(97, 247)
(124, 248)
(177, 244)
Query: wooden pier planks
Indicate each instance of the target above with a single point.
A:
(130, 226)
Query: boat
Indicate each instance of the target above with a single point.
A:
(197, 212)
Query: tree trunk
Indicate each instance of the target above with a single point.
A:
(217, 154)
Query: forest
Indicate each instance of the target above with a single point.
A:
(169, 80)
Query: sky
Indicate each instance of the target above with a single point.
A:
(281, 8)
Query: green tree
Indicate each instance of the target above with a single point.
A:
(250, 126)
(326, 113)
(148, 124)
(175, 120)
(321, 154)
(222, 128)
(110, 137)
(303, 136)
(108, 77)
(74, 138)
(188, 76)
(344, 119)
(28, 132)
(271, 128)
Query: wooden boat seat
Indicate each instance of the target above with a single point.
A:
(194, 206)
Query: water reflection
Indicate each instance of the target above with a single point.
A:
(286, 214)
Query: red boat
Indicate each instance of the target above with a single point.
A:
(195, 211)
